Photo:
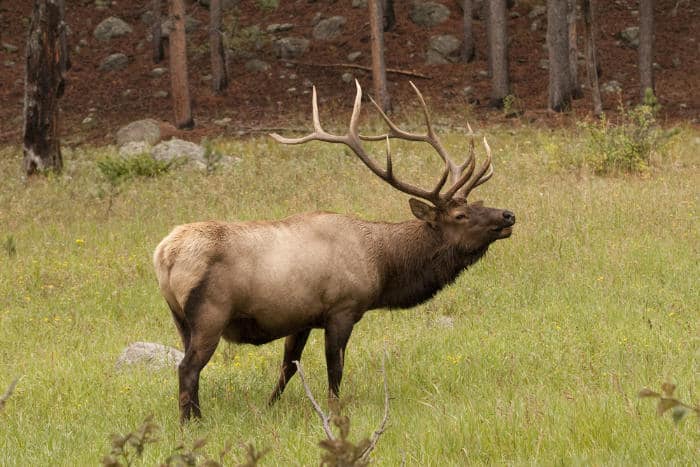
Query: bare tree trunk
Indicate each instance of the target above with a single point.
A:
(178, 67)
(646, 46)
(498, 52)
(157, 33)
(576, 91)
(468, 32)
(558, 46)
(218, 64)
(42, 89)
(590, 31)
(389, 15)
(378, 66)
(63, 38)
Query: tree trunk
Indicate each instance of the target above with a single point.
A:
(558, 47)
(468, 32)
(498, 52)
(381, 92)
(42, 89)
(157, 33)
(63, 39)
(218, 65)
(576, 91)
(646, 46)
(389, 16)
(590, 31)
(178, 67)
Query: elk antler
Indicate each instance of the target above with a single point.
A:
(460, 175)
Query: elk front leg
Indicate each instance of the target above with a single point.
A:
(338, 330)
(293, 347)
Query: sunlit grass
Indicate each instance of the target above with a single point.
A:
(553, 333)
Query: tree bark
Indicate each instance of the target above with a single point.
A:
(178, 67)
(646, 46)
(558, 47)
(389, 15)
(63, 39)
(590, 31)
(219, 80)
(378, 66)
(157, 33)
(42, 89)
(498, 52)
(576, 91)
(467, 32)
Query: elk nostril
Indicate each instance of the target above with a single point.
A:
(509, 216)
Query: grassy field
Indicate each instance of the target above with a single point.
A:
(549, 338)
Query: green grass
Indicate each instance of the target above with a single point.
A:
(594, 297)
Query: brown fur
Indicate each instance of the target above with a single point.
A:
(254, 282)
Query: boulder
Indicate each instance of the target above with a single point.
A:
(429, 14)
(147, 131)
(630, 36)
(114, 62)
(329, 28)
(443, 49)
(291, 47)
(177, 149)
(110, 28)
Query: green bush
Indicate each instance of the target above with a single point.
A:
(627, 146)
(120, 169)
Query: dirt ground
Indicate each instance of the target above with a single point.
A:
(257, 101)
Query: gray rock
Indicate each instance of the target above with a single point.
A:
(110, 28)
(134, 148)
(88, 120)
(630, 36)
(676, 62)
(429, 14)
(152, 355)
(147, 130)
(148, 17)
(347, 77)
(329, 28)
(359, 3)
(291, 47)
(114, 62)
(443, 49)
(222, 122)
(9, 63)
(256, 65)
(276, 27)
(160, 94)
(128, 93)
(535, 25)
(177, 149)
(467, 90)
(352, 56)
(316, 18)
(158, 72)
(544, 63)
(611, 87)
(537, 10)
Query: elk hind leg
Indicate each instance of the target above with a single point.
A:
(206, 324)
(293, 348)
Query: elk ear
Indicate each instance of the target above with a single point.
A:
(423, 211)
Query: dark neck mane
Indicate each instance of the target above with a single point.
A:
(415, 263)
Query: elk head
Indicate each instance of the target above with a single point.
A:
(468, 226)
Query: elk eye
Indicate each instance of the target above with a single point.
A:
(461, 216)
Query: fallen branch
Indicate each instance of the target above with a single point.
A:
(8, 393)
(410, 73)
(325, 419)
(363, 449)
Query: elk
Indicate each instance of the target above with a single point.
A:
(254, 282)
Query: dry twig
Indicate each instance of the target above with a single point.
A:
(382, 426)
(325, 419)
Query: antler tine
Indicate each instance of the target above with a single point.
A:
(482, 175)
(319, 134)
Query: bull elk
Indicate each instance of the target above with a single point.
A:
(254, 282)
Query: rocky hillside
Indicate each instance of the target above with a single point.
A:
(277, 51)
